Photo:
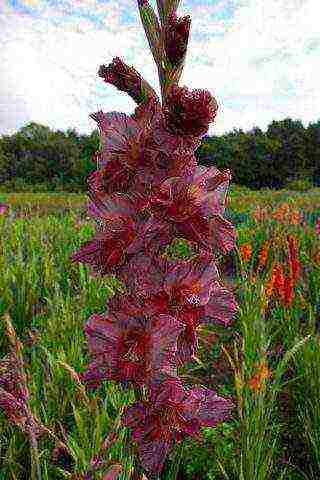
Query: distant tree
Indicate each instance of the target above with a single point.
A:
(292, 157)
(313, 150)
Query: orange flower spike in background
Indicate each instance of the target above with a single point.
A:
(288, 290)
(279, 281)
(269, 288)
(295, 217)
(256, 383)
(271, 285)
(281, 212)
(246, 251)
(263, 254)
(293, 256)
(260, 213)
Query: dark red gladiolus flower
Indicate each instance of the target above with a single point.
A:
(133, 348)
(114, 177)
(122, 138)
(196, 213)
(190, 291)
(132, 156)
(147, 191)
(189, 112)
(172, 413)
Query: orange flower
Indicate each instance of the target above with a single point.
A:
(288, 290)
(279, 280)
(263, 254)
(256, 383)
(246, 251)
(260, 214)
(276, 282)
(270, 284)
(295, 217)
(281, 212)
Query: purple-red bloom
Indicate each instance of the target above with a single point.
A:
(195, 211)
(131, 346)
(172, 413)
(190, 291)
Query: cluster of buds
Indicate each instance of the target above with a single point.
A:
(146, 192)
(14, 396)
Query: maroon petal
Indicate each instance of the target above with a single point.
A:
(196, 229)
(192, 279)
(152, 454)
(187, 346)
(167, 141)
(100, 255)
(222, 234)
(134, 415)
(142, 275)
(95, 374)
(103, 335)
(206, 406)
(164, 334)
(151, 235)
(221, 307)
(162, 394)
(189, 112)
(116, 205)
(117, 131)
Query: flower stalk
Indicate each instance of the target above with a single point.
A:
(146, 192)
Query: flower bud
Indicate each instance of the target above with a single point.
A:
(126, 79)
(176, 38)
(189, 113)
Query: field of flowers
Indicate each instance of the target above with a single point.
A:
(268, 360)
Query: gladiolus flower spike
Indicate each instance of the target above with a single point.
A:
(147, 191)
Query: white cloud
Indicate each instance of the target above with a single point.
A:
(261, 63)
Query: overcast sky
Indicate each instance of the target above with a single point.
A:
(259, 58)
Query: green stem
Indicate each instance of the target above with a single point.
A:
(35, 462)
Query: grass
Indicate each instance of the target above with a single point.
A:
(275, 426)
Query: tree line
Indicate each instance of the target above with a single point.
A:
(37, 157)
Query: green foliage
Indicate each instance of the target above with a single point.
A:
(299, 185)
(271, 159)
